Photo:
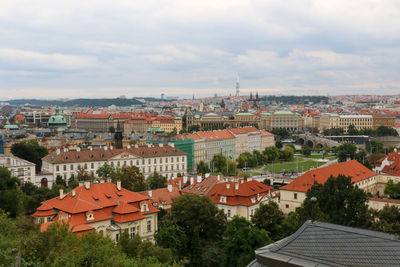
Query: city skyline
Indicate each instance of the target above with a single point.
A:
(99, 49)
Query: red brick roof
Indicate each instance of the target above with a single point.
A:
(244, 130)
(394, 168)
(162, 196)
(247, 193)
(351, 168)
(202, 188)
(104, 201)
(99, 154)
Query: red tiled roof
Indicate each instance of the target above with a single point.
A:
(121, 218)
(394, 168)
(124, 208)
(162, 196)
(247, 193)
(202, 188)
(351, 168)
(385, 200)
(244, 130)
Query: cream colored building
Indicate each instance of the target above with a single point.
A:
(20, 168)
(360, 122)
(282, 120)
(165, 159)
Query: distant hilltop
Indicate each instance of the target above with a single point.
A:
(85, 102)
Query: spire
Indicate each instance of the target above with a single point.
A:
(251, 96)
(257, 95)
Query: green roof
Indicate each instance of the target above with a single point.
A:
(177, 118)
(244, 114)
(283, 112)
(197, 116)
(57, 119)
(266, 114)
(11, 127)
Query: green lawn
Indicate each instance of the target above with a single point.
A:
(319, 156)
(249, 173)
(288, 166)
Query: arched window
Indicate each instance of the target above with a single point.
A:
(43, 182)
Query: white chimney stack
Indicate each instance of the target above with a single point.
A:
(87, 185)
(191, 180)
(58, 151)
(78, 149)
(62, 193)
(206, 175)
(161, 145)
(119, 185)
(128, 146)
(90, 148)
(228, 185)
(80, 183)
(73, 193)
(236, 186)
(218, 177)
(136, 146)
(102, 181)
(185, 179)
(170, 188)
(150, 193)
(111, 147)
(199, 178)
(108, 180)
(105, 148)
(249, 179)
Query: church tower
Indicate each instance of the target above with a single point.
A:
(118, 137)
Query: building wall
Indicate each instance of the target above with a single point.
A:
(290, 200)
(380, 204)
(20, 168)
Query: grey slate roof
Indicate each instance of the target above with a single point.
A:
(325, 244)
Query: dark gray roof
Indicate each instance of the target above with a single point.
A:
(325, 244)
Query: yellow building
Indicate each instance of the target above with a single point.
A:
(282, 120)
(360, 122)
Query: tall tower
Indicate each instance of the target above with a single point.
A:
(118, 137)
(237, 86)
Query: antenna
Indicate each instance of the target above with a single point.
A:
(237, 85)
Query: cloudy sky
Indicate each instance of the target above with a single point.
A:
(107, 48)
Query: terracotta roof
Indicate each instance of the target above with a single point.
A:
(202, 188)
(99, 154)
(124, 208)
(393, 169)
(244, 130)
(385, 200)
(246, 193)
(351, 168)
(162, 196)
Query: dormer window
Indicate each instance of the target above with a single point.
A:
(89, 217)
(253, 200)
(145, 208)
(222, 199)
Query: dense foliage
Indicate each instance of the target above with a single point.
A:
(380, 131)
(156, 180)
(30, 151)
(393, 189)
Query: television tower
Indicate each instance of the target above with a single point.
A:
(237, 86)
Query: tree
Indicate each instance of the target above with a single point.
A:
(195, 221)
(83, 175)
(271, 153)
(338, 201)
(202, 167)
(111, 129)
(60, 180)
(352, 130)
(218, 162)
(386, 131)
(281, 133)
(374, 146)
(392, 189)
(230, 168)
(193, 128)
(241, 239)
(11, 198)
(269, 218)
(131, 178)
(246, 159)
(30, 151)
(346, 150)
(306, 150)
(279, 144)
(374, 157)
(388, 220)
(156, 180)
(106, 171)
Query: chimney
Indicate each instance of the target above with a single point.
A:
(199, 178)
(80, 183)
(180, 185)
(228, 185)
(241, 181)
(395, 150)
(148, 145)
(102, 181)
(136, 146)
(105, 148)
(111, 147)
(170, 188)
(73, 193)
(62, 193)
(128, 146)
(78, 149)
(185, 179)
(150, 193)
(249, 179)
(108, 180)
(87, 184)
(236, 186)
(171, 144)
(90, 148)
(206, 175)
(119, 185)
(161, 145)
(218, 177)
(191, 180)
(58, 151)
(65, 149)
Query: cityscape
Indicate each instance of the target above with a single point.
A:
(246, 133)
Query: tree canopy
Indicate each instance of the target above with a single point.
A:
(156, 180)
(30, 151)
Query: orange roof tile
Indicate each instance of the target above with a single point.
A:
(351, 168)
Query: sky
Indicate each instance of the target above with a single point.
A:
(71, 49)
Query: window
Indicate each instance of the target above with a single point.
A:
(177, 159)
(251, 212)
(132, 232)
(295, 195)
(287, 206)
(149, 169)
(124, 162)
(137, 162)
(72, 167)
(160, 168)
(148, 226)
(143, 161)
(160, 160)
(229, 213)
(112, 164)
(118, 163)
(166, 168)
(131, 163)
(183, 158)
(85, 166)
(117, 237)
(57, 168)
(155, 161)
(92, 165)
(166, 160)
(172, 159)
(149, 161)
(65, 167)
